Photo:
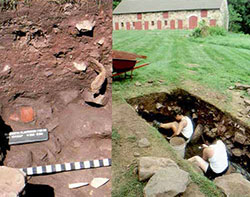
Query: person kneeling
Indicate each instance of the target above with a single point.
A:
(183, 128)
(214, 161)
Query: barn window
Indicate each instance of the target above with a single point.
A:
(139, 16)
(213, 22)
(203, 13)
(122, 24)
(165, 14)
(166, 23)
(152, 23)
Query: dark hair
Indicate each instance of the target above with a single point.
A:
(177, 111)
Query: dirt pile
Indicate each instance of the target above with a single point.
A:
(52, 54)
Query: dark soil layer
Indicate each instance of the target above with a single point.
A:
(216, 124)
(41, 87)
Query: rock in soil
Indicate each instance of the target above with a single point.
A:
(197, 133)
(12, 181)
(242, 86)
(233, 185)
(247, 102)
(193, 191)
(136, 154)
(240, 138)
(138, 83)
(148, 166)
(237, 152)
(167, 182)
(144, 143)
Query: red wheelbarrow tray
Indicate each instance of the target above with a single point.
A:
(125, 61)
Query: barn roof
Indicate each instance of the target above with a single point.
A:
(140, 6)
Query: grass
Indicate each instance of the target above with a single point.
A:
(214, 62)
(131, 187)
(240, 41)
(125, 183)
(115, 136)
(131, 139)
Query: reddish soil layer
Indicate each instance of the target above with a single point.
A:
(40, 87)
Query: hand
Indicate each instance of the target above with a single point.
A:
(204, 146)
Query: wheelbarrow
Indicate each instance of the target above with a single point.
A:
(124, 62)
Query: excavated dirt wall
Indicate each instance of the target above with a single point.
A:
(55, 68)
(212, 122)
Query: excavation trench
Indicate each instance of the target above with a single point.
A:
(57, 77)
(210, 123)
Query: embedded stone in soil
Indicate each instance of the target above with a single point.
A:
(212, 122)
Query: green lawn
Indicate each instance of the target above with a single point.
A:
(216, 62)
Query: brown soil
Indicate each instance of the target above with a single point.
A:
(41, 88)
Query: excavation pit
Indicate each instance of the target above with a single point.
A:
(210, 124)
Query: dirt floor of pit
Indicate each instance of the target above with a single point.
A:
(131, 128)
(82, 133)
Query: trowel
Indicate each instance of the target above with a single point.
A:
(27, 136)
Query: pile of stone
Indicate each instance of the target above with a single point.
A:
(12, 182)
(163, 175)
(165, 178)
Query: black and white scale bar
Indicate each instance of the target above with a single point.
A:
(67, 167)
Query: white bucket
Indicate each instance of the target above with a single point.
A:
(179, 145)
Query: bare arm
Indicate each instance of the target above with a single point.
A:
(181, 125)
(207, 153)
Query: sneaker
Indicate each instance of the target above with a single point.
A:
(156, 124)
(169, 138)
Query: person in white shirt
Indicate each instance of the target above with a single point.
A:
(214, 161)
(183, 128)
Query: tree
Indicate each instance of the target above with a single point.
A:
(115, 3)
(239, 16)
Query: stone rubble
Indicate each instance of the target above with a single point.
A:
(85, 25)
(148, 166)
(80, 66)
(197, 133)
(144, 143)
(242, 86)
(168, 182)
(193, 191)
(12, 182)
(240, 138)
(233, 185)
